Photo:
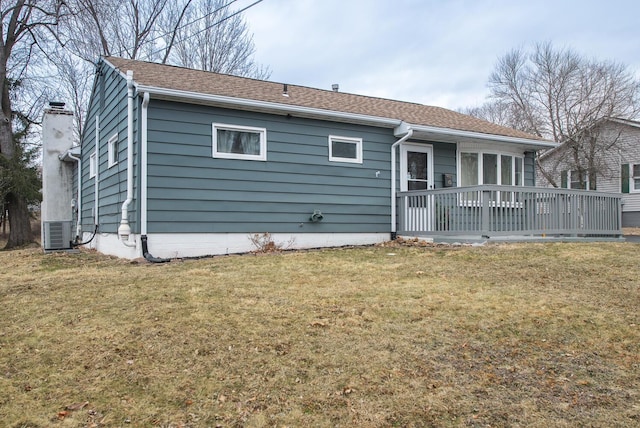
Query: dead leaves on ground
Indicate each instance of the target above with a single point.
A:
(62, 414)
(319, 324)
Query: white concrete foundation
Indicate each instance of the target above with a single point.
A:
(180, 245)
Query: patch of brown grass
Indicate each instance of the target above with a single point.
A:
(631, 231)
(502, 335)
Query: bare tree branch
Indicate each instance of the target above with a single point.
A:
(174, 32)
(559, 95)
(216, 40)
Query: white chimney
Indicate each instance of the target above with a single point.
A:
(57, 177)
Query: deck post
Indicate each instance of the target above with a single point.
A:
(620, 207)
(486, 212)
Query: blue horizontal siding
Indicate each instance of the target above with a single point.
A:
(444, 162)
(109, 103)
(293, 198)
(190, 191)
(262, 172)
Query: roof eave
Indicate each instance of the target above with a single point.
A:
(458, 134)
(267, 106)
(627, 122)
(310, 112)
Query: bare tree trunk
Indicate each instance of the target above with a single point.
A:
(17, 207)
(18, 212)
(19, 222)
(546, 174)
(3, 221)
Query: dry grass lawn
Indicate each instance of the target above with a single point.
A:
(635, 231)
(503, 335)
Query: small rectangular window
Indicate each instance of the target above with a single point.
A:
(112, 146)
(239, 142)
(93, 167)
(345, 149)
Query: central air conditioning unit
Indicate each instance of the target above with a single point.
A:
(57, 235)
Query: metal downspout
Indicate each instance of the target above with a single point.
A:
(143, 164)
(79, 198)
(393, 179)
(96, 184)
(143, 183)
(124, 231)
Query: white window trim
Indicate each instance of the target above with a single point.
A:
(632, 179)
(92, 165)
(488, 151)
(225, 127)
(112, 147)
(356, 141)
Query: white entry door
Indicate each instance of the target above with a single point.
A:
(417, 174)
(417, 167)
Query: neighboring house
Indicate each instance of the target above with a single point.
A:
(179, 162)
(617, 168)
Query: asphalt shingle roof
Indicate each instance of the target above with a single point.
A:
(204, 82)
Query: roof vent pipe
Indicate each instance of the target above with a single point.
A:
(285, 90)
(335, 87)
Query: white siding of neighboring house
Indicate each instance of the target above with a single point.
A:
(547, 159)
(626, 151)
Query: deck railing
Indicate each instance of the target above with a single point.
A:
(494, 211)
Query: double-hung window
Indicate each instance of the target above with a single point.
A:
(635, 178)
(575, 180)
(239, 142)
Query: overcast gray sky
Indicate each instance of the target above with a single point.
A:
(433, 52)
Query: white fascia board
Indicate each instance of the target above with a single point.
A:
(401, 130)
(547, 153)
(249, 104)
